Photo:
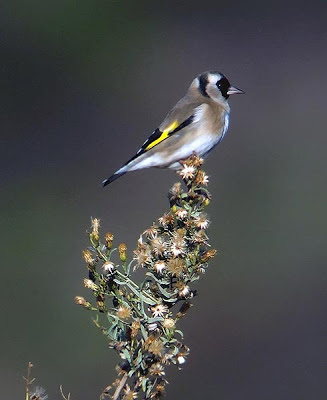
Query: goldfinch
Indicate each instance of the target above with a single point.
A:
(196, 124)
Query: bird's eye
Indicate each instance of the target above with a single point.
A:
(223, 85)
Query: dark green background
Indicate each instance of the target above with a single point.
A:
(83, 83)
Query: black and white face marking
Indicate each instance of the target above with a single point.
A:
(223, 85)
(213, 85)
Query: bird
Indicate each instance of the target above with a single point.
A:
(195, 125)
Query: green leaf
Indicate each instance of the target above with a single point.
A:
(174, 300)
(143, 296)
(119, 282)
(129, 267)
(160, 281)
(149, 389)
(144, 383)
(156, 319)
(125, 355)
(180, 333)
(144, 332)
(139, 357)
(112, 332)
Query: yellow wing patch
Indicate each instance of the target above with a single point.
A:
(164, 135)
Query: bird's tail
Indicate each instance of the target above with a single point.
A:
(116, 175)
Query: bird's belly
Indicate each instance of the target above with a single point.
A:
(200, 145)
(180, 146)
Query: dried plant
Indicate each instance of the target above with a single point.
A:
(35, 393)
(140, 320)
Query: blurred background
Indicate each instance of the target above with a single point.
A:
(83, 84)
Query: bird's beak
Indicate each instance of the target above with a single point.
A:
(234, 90)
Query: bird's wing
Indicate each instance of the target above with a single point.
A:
(178, 118)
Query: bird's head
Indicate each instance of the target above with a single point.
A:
(215, 86)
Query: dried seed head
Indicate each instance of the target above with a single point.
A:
(151, 232)
(208, 255)
(168, 323)
(183, 290)
(201, 221)
(158, 246)
(135, 328)
(159, 266)
(108, 267)
(156, 347)
(181, 213)
(196, 161)
(160, 390)
(159, 310)
(95, 225)
(175, 191)
(129, 394)
(80, 300)
(201, 179)
(38, 394)
(200, 237)
(157, 369)
(166, 220)
(123, 312)
(187, 172)
(176, 266)
(87, 255)
(142, 255)
(178, 245)
(90, 284)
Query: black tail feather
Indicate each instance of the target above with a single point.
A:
(112, 178)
